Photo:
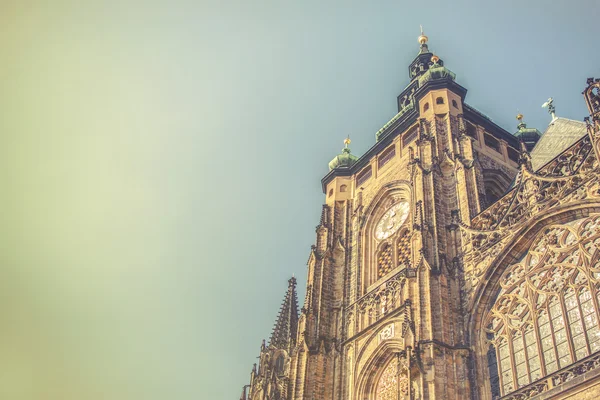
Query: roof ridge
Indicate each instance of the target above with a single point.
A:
(567, 119)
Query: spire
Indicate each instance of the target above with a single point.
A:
(426, 60)
(423, 41)
(286, 327)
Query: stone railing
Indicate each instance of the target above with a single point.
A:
(378, 302)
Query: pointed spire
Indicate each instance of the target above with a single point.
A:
(423, 42)
(286, 327)
(426, 60)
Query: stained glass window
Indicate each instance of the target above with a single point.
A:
(546, 315)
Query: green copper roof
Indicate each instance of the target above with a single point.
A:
(404, 110)
(436, 71)
(344, 160)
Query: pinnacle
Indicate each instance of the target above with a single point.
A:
(286, 326)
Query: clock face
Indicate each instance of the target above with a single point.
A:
(392, 220)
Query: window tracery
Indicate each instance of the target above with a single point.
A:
(546, 314)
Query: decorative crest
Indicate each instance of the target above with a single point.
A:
(592, 97)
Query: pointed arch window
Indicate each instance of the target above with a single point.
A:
(403, 249)
(384, 260)
(279, 364)
(546, 315)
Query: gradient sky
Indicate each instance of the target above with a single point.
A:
(162, 161)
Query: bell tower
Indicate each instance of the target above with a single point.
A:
(383, 315)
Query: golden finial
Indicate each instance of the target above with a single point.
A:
(435, 59)
(422, 38)
(347, 141)
(521, 124)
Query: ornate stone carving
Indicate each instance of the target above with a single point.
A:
(568, 178)
(386, 333)
(380, 301)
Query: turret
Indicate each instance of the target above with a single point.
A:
(528, 136)
(344, 160)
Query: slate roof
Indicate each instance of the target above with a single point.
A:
(560, 134)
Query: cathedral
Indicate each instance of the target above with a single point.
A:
(452, 260)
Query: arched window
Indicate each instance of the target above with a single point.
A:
(439, 100)
(546, 314)
(454, 104)
(403, 249)
(279, 364)
(343, 188)
(384, 261)
(426, 107)
(330, 192)
(496, 184)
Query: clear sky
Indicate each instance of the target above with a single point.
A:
(162, 161)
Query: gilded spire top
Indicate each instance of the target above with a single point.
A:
(521, 124)
(347, 141)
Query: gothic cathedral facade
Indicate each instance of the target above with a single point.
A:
(453, 260)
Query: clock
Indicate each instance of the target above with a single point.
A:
(392, 220)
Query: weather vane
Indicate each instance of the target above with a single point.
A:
(550, 106)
